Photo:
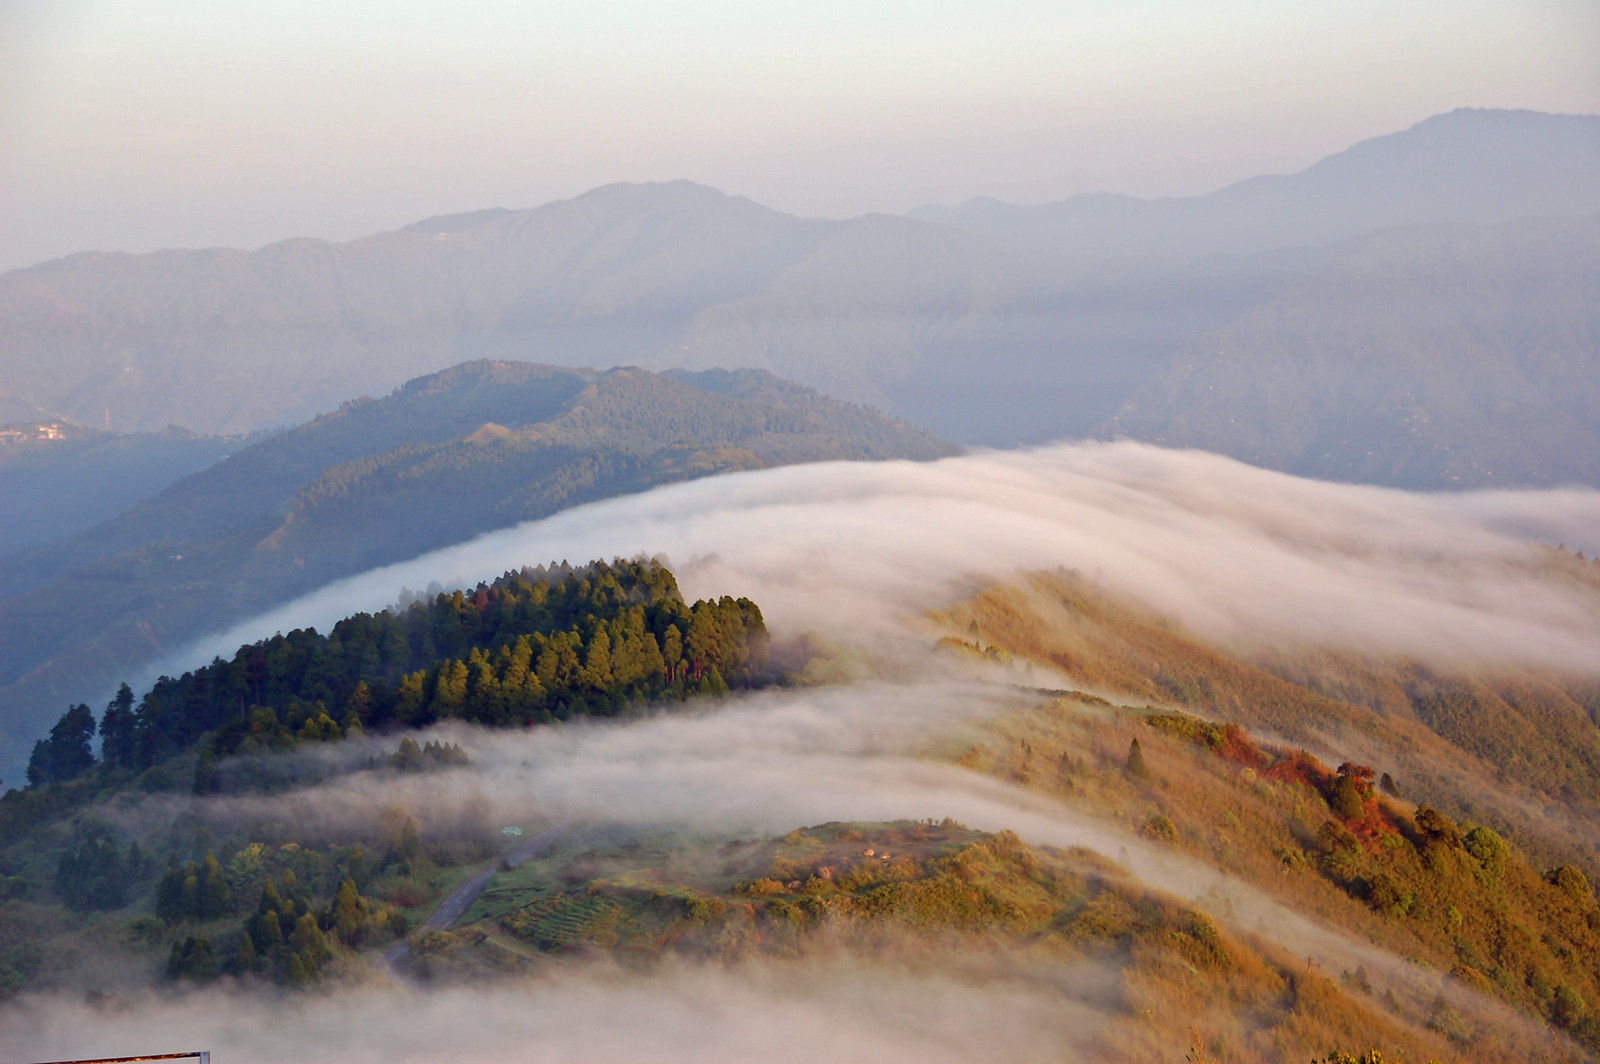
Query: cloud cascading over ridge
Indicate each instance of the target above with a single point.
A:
(1238, 554)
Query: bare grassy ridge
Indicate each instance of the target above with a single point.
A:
(985, 905)
(1516, 749)
(1505, 918)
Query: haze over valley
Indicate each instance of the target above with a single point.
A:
(1009, 533)
(954, 321)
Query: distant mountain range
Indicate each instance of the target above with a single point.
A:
(478, 447)
(1468, 166)
(1424, 358)
(989, 324)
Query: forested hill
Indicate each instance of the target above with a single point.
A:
(481, 446)
(535, 646)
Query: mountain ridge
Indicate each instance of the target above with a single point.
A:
(1467, 165)
(380, 480)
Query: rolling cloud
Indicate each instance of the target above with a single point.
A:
(1238, 554)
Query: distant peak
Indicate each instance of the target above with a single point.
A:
(456, 223)
(680, 190)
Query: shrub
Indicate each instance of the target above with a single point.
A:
(1436, 827)
(1567, 1006)
(1488, 847)
(1160, 828)
(1571, 882)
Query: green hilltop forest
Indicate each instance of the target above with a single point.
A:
(446, 457)
(534, 646)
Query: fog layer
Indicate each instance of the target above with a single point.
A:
(1238, 554)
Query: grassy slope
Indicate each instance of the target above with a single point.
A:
(921, 893)
(1517, 749)
(1509, 928)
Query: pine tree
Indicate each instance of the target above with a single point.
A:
(270, 902)
(66, 754)
(348, 910)
(450, 690)
(597, 662)
(411, 840)
(408, 758)
(92, 875)
(703, 644)
(1136, 766)
(244, 961)
(205, 773)
(190, 904)
(310, 943)
(214, 898)
(357, 709)
(298, 973)
(117, 740)
(265, 932)
(357, 865)
(192, 959)
(169, 895)
(672, 653)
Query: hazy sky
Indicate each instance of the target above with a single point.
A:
(201, 122)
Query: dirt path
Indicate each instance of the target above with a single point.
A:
(470, 890)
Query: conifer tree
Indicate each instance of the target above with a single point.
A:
(245, 960)
(270, 902)
(298, 973)
(66, 754)
(117, 740)
(358, 707)
(672, 653)
(348, 910)
(1136, 766)
(205, 772)
(192, 959)
(189, 905)
(169, 895)
(310, 943)
(411, 840)
(214, 898)
(597, 661)
(265, 931)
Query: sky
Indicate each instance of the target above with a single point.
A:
(135, 126)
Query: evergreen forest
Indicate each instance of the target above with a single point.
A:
(535, 646)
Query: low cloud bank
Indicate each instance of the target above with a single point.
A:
(796, 1013)
(769, 763)
(1238, 554)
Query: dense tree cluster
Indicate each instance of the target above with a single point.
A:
(536, 645)
(192, 959)
(284, 938)
(287, 939)
(196, 892)
(410, 757)
(94, 874)
(66, 754)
